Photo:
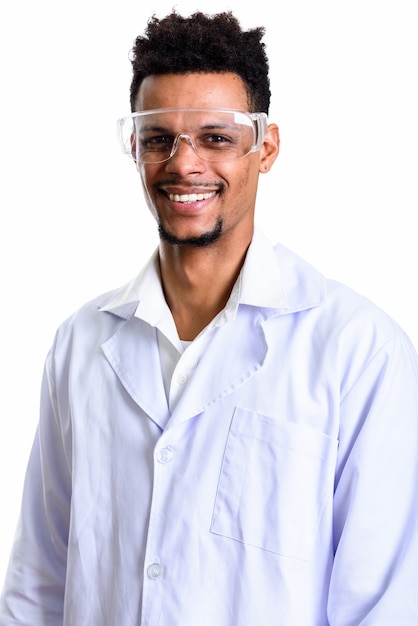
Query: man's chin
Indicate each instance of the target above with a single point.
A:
(201, 241)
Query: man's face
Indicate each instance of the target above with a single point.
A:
(194, 201)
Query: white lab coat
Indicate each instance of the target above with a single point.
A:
(281, 490)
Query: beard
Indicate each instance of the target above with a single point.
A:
(201, 241)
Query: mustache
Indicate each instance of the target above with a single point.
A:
(174, 180)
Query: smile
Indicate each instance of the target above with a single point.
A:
(188, 198)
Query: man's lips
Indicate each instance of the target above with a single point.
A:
(188, 198)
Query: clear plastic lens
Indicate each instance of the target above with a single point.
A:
(214, 134)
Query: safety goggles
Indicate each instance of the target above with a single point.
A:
(216, 135)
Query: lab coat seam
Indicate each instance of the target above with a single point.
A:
(223, 394)
(368, 364)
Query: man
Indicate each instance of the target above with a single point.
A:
(230, 439)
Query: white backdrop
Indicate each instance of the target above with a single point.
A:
(343, 192)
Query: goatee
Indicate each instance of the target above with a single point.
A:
(205, 239)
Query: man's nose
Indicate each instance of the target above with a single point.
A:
(177, 143)
(183, 155)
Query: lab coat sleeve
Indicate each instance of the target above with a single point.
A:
(34, 587)
(375, 574)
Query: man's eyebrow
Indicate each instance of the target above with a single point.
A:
(154, 127)
(208, 126)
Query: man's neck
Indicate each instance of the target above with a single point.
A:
(197, 283)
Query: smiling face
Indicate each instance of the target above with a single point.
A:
(197, 202)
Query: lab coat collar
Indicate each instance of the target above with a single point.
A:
(273, 281)
(272, 278)
(124, 301)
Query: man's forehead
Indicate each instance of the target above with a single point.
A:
(192, 118)
(192, 90)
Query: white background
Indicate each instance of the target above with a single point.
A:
(343, 193)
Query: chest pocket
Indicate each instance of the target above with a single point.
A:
(276, 479)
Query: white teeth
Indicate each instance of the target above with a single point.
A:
(190, 197)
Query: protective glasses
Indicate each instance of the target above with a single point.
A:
(216, 135)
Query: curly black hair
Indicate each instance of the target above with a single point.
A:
(202, 43)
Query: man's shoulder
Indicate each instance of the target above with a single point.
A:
(338, 306)
(118, 304)
(92, 321)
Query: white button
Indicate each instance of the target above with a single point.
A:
(165, 455)
(182, 379)
(155, 571)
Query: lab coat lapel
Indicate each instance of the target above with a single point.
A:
(133, 354)
(235, 353)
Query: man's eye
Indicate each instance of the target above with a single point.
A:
(157, 141)
(216, 139)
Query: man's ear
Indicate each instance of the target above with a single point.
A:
(270, 148)
(133, 146)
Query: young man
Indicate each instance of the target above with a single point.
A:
(231, 439)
